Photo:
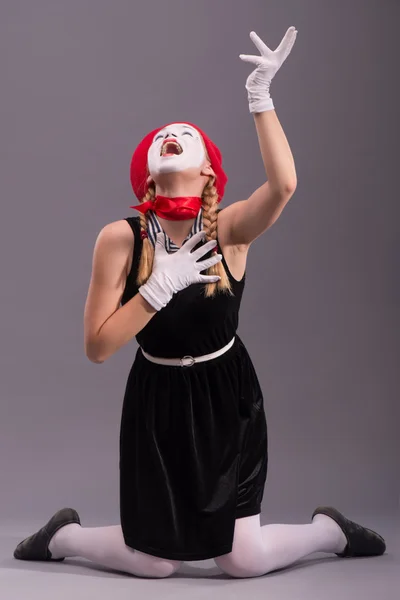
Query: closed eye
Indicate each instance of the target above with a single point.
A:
(187, 133)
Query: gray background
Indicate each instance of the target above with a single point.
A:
(81, 83)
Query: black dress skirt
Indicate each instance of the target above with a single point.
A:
(193, 440)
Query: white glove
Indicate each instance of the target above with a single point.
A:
(268, 64)
(174, 272)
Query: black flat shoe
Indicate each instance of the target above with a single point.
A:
(360, 540)
(36, 546)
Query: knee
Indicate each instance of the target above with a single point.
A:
(239, 565)
(163, 568)
(169, 567)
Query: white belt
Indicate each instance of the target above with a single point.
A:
(187, 361)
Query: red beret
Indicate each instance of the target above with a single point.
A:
(139, 171)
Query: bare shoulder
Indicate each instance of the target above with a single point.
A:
(116, 231)
(113, 251)
(115, 239)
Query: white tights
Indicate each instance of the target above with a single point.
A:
(256, 550)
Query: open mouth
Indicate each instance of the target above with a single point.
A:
(170, 147)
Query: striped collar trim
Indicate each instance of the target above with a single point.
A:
(154, 227)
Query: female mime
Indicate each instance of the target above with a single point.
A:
(193, 438)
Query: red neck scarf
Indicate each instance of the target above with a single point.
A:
(179, 208)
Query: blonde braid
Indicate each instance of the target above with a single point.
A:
(147, 257)
(210, 223)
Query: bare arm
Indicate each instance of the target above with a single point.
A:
(107, 325)
(247, 219)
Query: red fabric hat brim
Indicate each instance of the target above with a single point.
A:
(139, 171)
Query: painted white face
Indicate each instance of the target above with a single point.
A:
(175, 148)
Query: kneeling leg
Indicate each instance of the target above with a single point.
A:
(259, 550)
(106, 546)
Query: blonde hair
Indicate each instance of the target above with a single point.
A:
(210, 225)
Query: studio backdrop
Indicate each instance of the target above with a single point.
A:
(81, 83)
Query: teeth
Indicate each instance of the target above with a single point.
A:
(165, 146)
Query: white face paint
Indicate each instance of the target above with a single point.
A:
(175, 148)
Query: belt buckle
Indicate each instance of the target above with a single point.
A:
(190, 358)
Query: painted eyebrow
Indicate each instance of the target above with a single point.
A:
(187, 127)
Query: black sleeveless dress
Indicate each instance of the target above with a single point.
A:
(193, 440)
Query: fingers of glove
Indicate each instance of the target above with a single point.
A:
(210, 262)
(191, 243)
(260, 45)
(196, 254)
(160, 240)
(256, 60)
(208, 278)
(287, 43)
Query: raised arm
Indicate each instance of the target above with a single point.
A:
(248, 219)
